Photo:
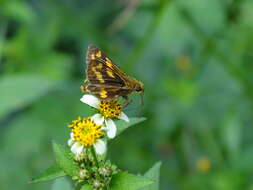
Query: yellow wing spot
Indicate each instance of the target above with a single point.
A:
(108, 62)
(99, 76)
(92, 56)
(94, 69)
(99, 66)
(98, 54)
(110, 73)
(103, 94)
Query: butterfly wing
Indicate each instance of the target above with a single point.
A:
(106, 92)
(105, 79)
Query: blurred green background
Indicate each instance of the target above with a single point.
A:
(194, 57)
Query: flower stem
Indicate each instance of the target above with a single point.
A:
(94, 156)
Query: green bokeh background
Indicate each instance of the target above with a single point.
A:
(194, 57)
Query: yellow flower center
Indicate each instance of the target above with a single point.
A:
(110, 109)
(85, 131)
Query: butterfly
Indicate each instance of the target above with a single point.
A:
(105, 80)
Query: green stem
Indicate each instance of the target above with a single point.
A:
(94, 156)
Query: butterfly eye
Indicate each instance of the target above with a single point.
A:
(139, 89)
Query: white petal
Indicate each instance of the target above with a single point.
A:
(98, 119)
(111, 128)
(100, 146)
(72, 136)
(90, 100)
(104, 128)
(70, 142)
(77, 148)
(124, 117)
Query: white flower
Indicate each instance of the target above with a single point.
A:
(86, 132)
(108, 109)
(77, 148)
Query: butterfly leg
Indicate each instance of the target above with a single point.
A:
(127, 101)
(83, 88)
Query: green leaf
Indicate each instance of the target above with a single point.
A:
(126, 181)
(51, 173)
(61, 184)
(21, 90)
(122, 125)
(86, 187)
(153, 174)
(64, 159)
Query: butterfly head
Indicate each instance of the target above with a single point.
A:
(138, 87)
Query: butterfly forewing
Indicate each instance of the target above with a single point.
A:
(101, 70)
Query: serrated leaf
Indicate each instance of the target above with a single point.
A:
(153, 174)
(122, 125)
(51, 173)
(126, 181)
(61, 184)
(64, 159)
(86, 187)
(21, 90)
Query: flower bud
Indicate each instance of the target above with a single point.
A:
(79, 157)
(97, 184)
(83, 173)
(105, 171)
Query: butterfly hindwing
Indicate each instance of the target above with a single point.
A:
(106, 92)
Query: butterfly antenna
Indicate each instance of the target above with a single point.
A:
(142, 103)
(142, 99)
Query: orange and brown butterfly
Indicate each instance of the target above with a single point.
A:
(105, 80)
